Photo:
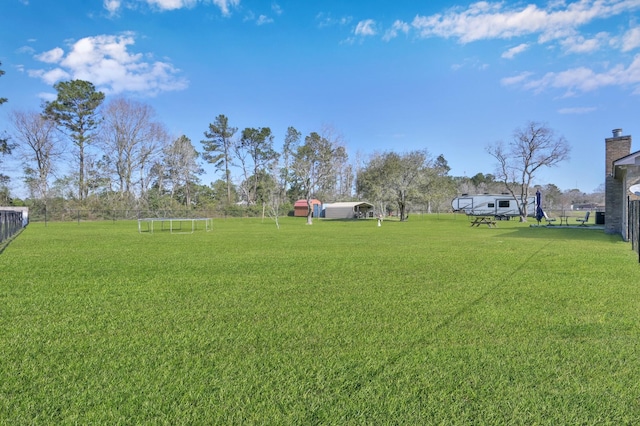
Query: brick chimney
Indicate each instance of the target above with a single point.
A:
(617, 146)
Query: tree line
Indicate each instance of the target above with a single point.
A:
(85, 152)
(81, 151)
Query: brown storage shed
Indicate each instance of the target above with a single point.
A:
(300, 208)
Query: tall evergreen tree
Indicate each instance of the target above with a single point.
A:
(218, 147)
(75, 111)
(289, 148)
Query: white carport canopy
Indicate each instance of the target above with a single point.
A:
(347, 210)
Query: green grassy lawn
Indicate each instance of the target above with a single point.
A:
(425, 322)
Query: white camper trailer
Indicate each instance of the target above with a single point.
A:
(502, 206)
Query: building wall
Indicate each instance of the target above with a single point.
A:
(347, 210)
(615, 200)
(301, 210)
(338, 212)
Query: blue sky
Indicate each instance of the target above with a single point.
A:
(451, 77)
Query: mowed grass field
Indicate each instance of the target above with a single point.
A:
(425, 322)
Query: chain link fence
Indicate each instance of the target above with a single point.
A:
(82, 215)
(10, 224)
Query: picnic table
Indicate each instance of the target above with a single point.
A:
(484, 220)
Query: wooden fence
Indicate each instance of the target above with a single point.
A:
(10, 224)
(634, 226)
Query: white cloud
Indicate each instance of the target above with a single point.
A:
(112, 6)
(171, 4)
(365, 28)
(511, 53)
(225, 6)
(481, 20)
(326, 20)
(26, 49)
(52, 56)
(250, 16)
(105, 61)
(517, 79)
(398, 26)
(576, 110)
(471, 62)
(263, 19)
(48, 96)
(631, 40)
(582, 79)
(348, 41)
(579, 44)
(51, 76)
(485, 20)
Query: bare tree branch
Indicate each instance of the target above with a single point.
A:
(533, 146)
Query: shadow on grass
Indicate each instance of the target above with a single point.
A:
(562, 233)
(431, 337)
(5, 243)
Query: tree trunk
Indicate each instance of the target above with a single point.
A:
(401, 211)
(309, 212)
(228, 179)
(402, 206)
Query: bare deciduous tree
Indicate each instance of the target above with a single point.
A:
(132, 139)
(314, 167)
(532, 147)
(344, 178)
(181, 160)
(39, 147)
